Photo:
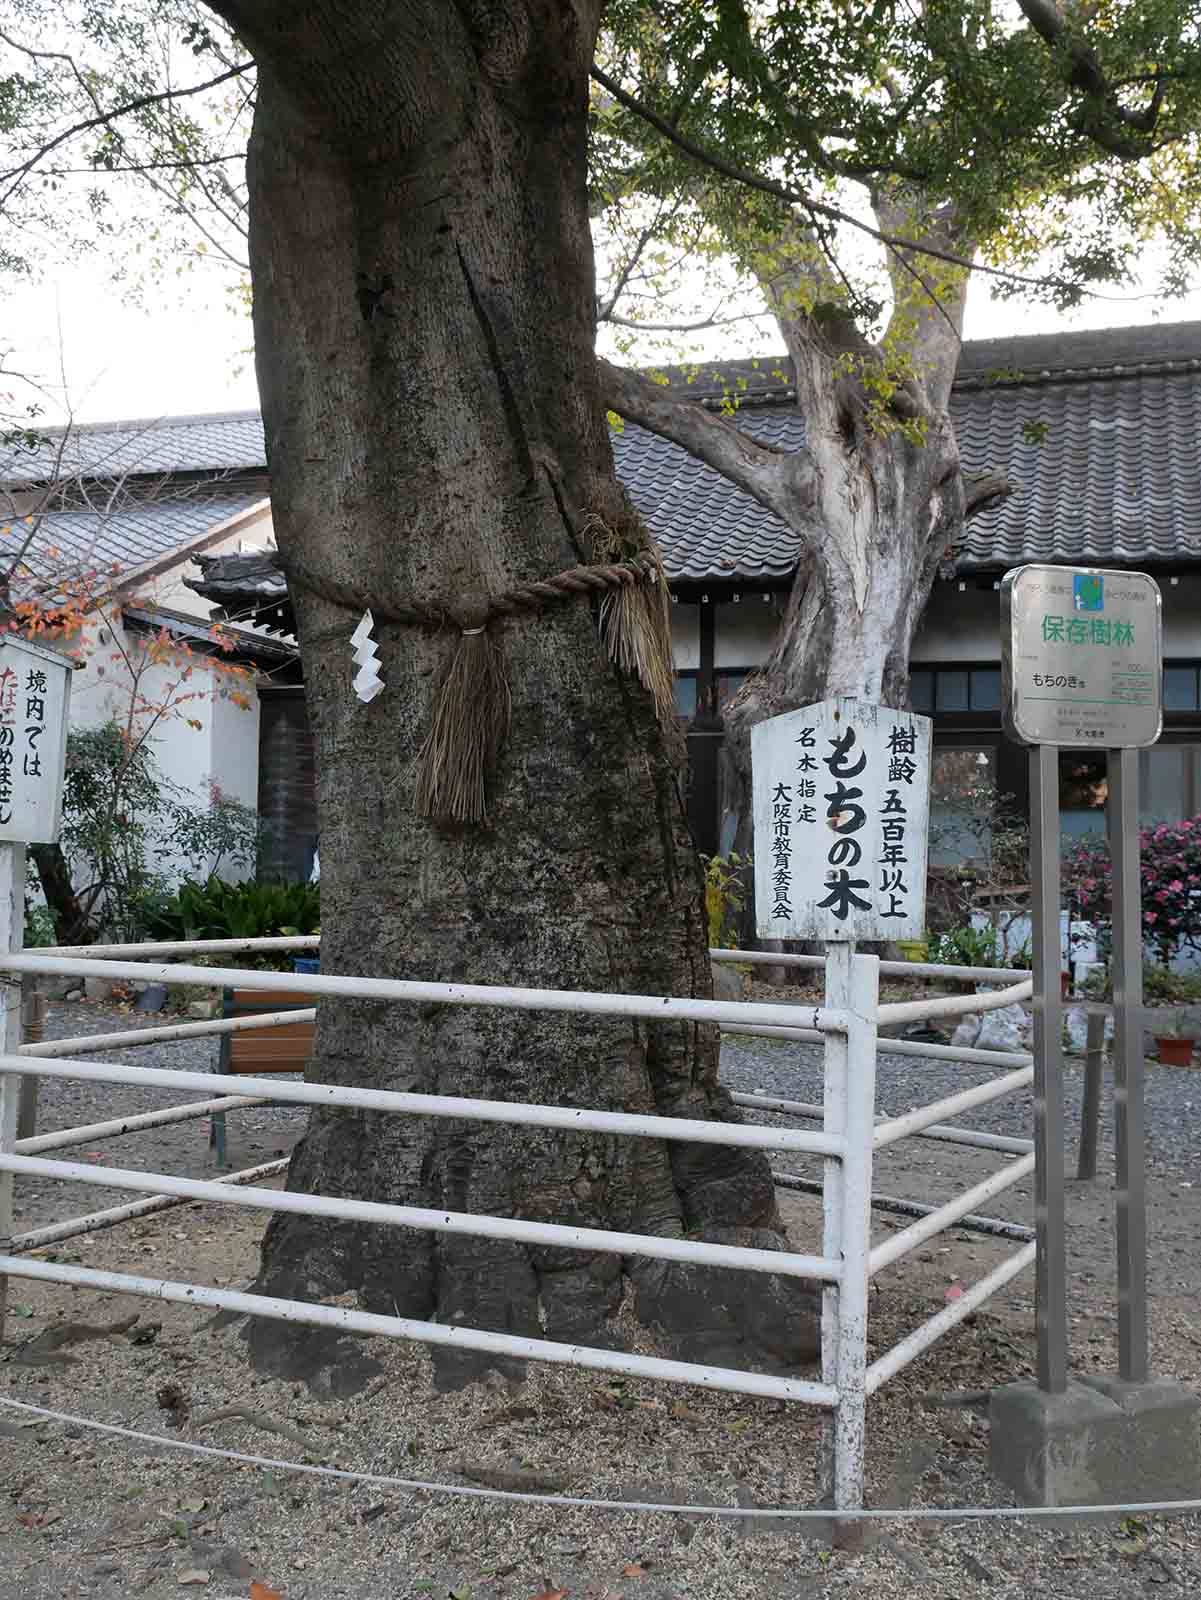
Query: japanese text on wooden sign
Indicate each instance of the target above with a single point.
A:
(1081, 657)
(34, 695)
(841, 810)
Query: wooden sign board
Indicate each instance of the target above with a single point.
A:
(841, 812)
(35, 698)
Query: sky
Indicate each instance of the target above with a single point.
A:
(188, 352)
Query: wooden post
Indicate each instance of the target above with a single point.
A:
(34, 1006)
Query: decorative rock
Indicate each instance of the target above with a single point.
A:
(97, 988)
(74, 994)
(202, 1010)
(1006, 1029)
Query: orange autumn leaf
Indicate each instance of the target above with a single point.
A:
(633, 1571)
(260, 1591)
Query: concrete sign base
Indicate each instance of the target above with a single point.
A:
(1100, 1442)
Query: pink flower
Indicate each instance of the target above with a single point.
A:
(1149, 916)
(1161, 897)
(1175, 886)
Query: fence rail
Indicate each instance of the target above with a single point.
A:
(849, 1134)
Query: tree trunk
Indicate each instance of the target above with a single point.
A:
(71, 924)
(424, 328)
(883, 514)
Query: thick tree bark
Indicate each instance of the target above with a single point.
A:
(423, 316)
(71, 923)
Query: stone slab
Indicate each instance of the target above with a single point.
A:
(1101, 1442)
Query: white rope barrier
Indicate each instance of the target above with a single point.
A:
(529, 1497)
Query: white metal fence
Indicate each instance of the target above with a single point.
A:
(845, 1025)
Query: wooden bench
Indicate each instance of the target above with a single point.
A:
(260, 1051)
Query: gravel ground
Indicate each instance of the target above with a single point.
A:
(84, 1515)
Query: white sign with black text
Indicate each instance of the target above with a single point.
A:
(35, 691)
(841, 810)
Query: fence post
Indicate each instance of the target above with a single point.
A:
(34, 1006)
(839, 955)
(856, 1232)
(12, 937)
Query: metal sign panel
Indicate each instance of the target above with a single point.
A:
(35, 691)
(1081, 657)
(841, 808)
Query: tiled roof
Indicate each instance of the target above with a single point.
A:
(222, 441)
(1098, 430)
(134, 532)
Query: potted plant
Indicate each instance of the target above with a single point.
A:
(1175, 1043)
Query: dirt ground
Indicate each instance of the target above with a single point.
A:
(85, 1514)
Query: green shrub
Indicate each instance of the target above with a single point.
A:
(216, 909)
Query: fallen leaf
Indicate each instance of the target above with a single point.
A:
(192, 1505)
(551, 1594)
(194, 1575)
(633, 1571)
(955, 1292)
(683, 1413)
(260, 1591)
(1133, 1544)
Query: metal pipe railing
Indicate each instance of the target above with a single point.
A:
(899, 1047)
(955, 1005)
(66, 1138)
(169, 1033)
(166, 947)
(970, 1221)
(945, 1216)
(652, 1008)
(95, 1221)
(912, 1346)
(571, 1119)
(938, 1131)
(888, 969)
(448, 1335)
(510, 1229)
(966, 1100)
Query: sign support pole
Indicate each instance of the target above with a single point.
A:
(1051, 1268)
(836, 1061)
(12, 937)
(1122, 809)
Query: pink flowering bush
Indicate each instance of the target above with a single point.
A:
(1170, 863)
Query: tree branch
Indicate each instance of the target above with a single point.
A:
(985, 490)
(1102, 118)
(13, 177)
(820, 208)
(775, 478)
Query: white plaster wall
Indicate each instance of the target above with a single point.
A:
(745, 632)
(959, 626)
(966, 625)
(686, 636)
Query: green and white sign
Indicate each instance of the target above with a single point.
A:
(1081, 657)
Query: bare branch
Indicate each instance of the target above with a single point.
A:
(14, 177)
(772, 477)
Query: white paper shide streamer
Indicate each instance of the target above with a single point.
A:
(367, 680)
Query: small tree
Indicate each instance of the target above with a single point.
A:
(1170, 868)
(117, 803)
(122, 819)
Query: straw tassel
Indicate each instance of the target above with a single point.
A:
(635, 624)
(471, 718)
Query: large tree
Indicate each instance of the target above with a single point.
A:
(424, 321)
(423, 304)
(957, 133)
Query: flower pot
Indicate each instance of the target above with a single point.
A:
(1175, 1052)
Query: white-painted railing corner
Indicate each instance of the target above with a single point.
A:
(850, 1132)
